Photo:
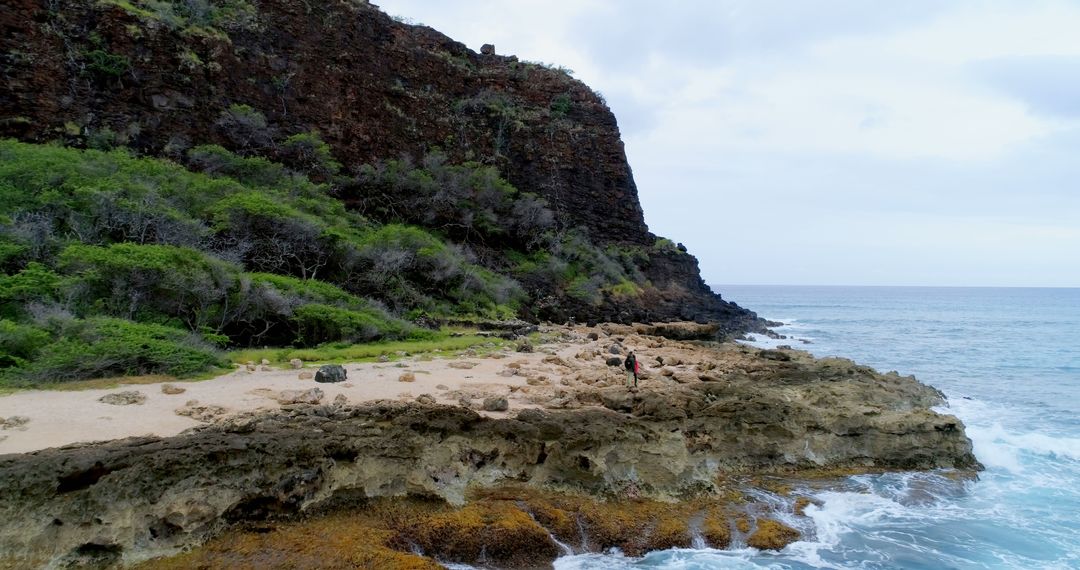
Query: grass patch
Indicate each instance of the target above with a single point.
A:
(335, 352)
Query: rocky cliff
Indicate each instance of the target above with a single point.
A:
(703, 414)
(156, 77)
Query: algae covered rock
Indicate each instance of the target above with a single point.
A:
(772, 535)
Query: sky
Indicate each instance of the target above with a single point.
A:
(829, 142)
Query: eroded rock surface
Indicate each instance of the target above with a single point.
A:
(669, 439)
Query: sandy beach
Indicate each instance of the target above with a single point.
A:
(58, 418)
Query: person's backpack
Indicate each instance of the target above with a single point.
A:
(630, 363)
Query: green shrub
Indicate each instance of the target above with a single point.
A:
(308, 153)
(317, 324)
(35, 283)
(106, 64)
(20, 343)
(101, 347)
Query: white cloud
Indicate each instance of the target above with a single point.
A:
(939, 132)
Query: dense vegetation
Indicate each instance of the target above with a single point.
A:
(114, 264)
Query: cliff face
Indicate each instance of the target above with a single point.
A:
(742, 411)
(374, 88)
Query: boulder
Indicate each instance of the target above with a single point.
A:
(125, 398)
(331, 373)
(309, 396)
(496, 404)
(487, 49)
(614, 361)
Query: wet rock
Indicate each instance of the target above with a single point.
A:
(330, 373)
(125, 398)
(172, 390)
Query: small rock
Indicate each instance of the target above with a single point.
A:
(496, 404)
(340, 400)
(264, 362)
(347, 385)
(265, 368)
(426, 399)
(296, 363)
(407, 377)
(667, 372)
(383, 358)
(507, 372)
(14, 422)
(250, 367)
(125, 398)
(594, 336)
(442, 387)
(462, 364)
(614, 349)
(199, 412)
(614, 361)
(553, 359)
(525, 347)
(172, 390)
(250, 363)
(331, 373)
(306, 375)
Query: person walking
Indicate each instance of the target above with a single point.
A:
(632, 368)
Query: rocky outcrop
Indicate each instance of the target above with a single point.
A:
(671, 439)
(374, 88)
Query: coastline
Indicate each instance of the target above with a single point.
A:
(704, 412)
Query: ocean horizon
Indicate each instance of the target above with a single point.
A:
(1007, 360)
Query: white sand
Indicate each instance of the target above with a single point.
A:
(64, 417)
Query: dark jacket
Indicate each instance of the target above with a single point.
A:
(631, 363)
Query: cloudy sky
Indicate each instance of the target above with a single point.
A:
(840, 142)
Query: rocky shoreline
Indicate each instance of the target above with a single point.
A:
(705, 413)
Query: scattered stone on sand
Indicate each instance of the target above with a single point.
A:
(594, 336)
(537, 380)
(426, 399)
(442, 387)
(553, 359)
(306, 375)
(407, 377)
(264, 362)
(309, 396)
(125, 398)
(508, 372)
(341, 400)
(250, 367)
(201, 412)
(14, 422)
(296, 363)
(462, 364)
(329, 373)
(172, 390)
(384, 358)
(496, 404)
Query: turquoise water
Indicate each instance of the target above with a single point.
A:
(1009, 362)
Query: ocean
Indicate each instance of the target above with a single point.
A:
(1008, 359)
